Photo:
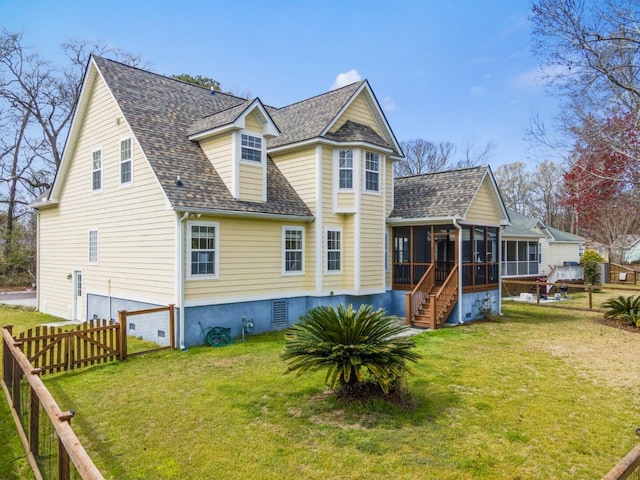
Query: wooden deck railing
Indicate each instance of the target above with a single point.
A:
(417, 296)
(445, 299)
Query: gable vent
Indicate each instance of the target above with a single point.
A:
(279, 312)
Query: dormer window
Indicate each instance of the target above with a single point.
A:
(251, 148)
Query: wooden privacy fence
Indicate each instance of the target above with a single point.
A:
(628, 467)
(622, 274)
(53, 450)
(52, 349)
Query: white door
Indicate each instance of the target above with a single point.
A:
(77, 294)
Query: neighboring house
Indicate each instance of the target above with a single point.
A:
(629, 248)
(169, 193)
(532, 249)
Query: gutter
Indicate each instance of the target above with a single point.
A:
(180, 274)
(455, 224)
(239, 214)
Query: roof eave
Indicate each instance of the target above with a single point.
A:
(243, 214)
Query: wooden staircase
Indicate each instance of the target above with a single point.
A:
(429, 305)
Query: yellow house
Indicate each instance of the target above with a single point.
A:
(228, 208)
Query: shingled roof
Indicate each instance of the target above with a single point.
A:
(436, 195)
(522, 226)
(161, 111)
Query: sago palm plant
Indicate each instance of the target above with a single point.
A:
(358, 349)
(625, 309)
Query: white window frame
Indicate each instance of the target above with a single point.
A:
(92, 254)
(126, 160)
(261, 150)
(341, 168)
(368, 170)
(286, 229)
(328, 250)
(96, 170)
(216, 251)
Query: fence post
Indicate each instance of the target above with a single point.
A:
(122, 320)
(538, 293)
(64, 471)
(172, 333)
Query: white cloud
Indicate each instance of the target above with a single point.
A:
(389, 105)
(346, 78)
(478, 91)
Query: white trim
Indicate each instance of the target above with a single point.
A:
(300, 229)
(73, 314)
(280, 295)
(216, 258)
(97, 260)
(357, 219)
(326, 250)
(262, 150)
(269, 128)
(319, 234)
(366, 170)
(101, 169)
(237, 214)
(333, 143)
(126, 295)
(236, 146)
(130, 182)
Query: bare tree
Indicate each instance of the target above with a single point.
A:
(547, 191)
(515, 187)
(423, 156)
(37, 101)
(591, 52)
(474, 154)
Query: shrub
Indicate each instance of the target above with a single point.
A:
(360, 350)
(626, 310)
(589, 261)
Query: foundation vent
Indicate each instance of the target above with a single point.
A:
(279, 312)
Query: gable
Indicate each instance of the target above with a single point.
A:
(359, 112)
(483, 209)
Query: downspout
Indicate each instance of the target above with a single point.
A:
(455, 224)
(180, 279)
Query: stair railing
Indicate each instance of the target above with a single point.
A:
(419, 294)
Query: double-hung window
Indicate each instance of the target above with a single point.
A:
(345, 167)
(251, 148)
(372, 172)
(293, 250)
(334, 250)
(96, 169)
(203, 250)
(126, 162)
(93, 247)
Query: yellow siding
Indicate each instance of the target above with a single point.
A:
(346, 201)
(358, 112)
(482, 209)
(219, 152)
(251, 182)
(250, 262)
(371, 242)
(143, 269)
(299, 167)
(252, 124)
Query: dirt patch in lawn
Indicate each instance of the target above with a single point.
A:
(606, 355)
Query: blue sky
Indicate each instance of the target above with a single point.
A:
(442, 70)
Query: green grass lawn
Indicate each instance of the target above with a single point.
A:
(536, 394)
